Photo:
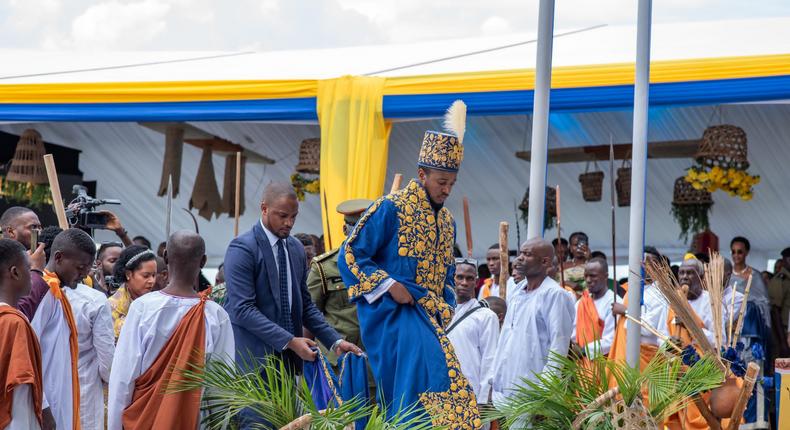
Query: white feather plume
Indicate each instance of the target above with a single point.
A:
(455, 119)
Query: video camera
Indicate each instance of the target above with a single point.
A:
(80, 211)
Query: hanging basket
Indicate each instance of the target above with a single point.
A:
(592, 184)
(690, 208)
(550, 214)
(685, 194)
(723, 146)
(309, 156)
(27, 166)
(623, 184)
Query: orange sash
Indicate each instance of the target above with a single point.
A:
(154, 408)
(54, 288)
(486, 289)
(20, 361)
(589, 326)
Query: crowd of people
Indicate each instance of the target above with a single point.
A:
(438, 331)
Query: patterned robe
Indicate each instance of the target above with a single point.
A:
(402, 238)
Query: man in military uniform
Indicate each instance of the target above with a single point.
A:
(327, 289)
(779, 293)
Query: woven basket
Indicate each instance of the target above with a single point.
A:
(634, 417)
(27, 166)
(309, 156)
(623, 184)
(723, 146)
(592, 184)
(551, 202)
(684, 194)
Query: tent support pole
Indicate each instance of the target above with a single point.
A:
(540, 121)
(636, 236)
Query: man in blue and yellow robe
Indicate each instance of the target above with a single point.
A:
(403, 245)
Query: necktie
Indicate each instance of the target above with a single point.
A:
(282, 271)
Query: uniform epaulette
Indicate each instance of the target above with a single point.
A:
(326, 256)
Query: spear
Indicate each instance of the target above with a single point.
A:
(611, 193)
(559, 238)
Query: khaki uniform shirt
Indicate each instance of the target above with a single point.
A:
(779, 293)
(331, 297)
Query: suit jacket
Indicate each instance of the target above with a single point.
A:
(253, 299)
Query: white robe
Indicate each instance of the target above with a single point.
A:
(96, 347)
(151, 321)
(654, 312)
(701, 306)
(604, 308)
(537, 322)
(23, 416)
(475, 341)
(53, 332)
(727, 297)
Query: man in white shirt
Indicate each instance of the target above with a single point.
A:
(598, 316)
(473, 331)
(490, 286)
(539, 321)
(96, 340)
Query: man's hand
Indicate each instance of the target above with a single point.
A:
(400, 294)
(38, 259)
(113, 222)
(301, 346)
(47, 420)
(346, 346)
(618, 309)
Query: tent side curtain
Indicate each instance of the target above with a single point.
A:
(577, 88)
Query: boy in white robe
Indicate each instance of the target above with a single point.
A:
(539, 321)
(96, 347)
(473, 332)
(595, 280)
(151, 322)
(70, 260)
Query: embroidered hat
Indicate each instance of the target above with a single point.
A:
(445, 151)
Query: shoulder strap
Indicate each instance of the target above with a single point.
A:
(463, 317)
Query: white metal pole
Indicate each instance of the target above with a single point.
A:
(636, 236)
(540, 121)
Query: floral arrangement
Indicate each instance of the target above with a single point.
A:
(304, 185)
(734, 182)
(35, 195)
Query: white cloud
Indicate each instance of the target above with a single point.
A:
(119, 25)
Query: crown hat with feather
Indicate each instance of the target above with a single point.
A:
(445, 150)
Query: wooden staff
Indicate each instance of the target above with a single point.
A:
(559, 239)
(169, 206)
(742, 313)
(504, 271)
(54, 187)
(746, 391)
(704, 410)
(396, 182)
(468, 226)
(237, 201)
(614, 229)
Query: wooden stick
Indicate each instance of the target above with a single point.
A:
(504, 271)
(742, 312)
(237, 201)
(731, 328)
(396, 182)
(614, 223)
(169, 206)
(655, 332)
(746, 391)
(468, 227)
(712, 421)
(54, 187)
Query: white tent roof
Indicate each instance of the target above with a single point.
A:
(580, 46)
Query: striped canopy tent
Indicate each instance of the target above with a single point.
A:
(372, 104)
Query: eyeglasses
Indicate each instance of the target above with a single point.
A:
(470, 261)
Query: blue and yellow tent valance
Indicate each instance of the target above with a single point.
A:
(577, 88)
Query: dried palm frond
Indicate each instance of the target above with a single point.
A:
(713, 282)
(668, 285)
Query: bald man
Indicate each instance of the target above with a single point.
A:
(164, 330)
(539, 321)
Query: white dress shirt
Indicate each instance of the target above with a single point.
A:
(474, 340)
(537, 322)
(273, 239)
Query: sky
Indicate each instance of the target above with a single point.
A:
(264, 25)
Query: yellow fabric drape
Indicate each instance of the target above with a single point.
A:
(354, 143)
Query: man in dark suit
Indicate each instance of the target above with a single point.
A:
(267, 297)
